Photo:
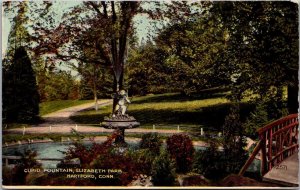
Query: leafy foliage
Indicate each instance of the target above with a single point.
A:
(152, 142)
(258, 118)
(146, 70)
(181, 149)
(262, 47)
(163, 170)
(20, 97)
(233, 141)
(87, 155)
(18, 177)
(95, 82)
(104, 156)
(210, 162)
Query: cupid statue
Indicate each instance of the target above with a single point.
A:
(122, 99)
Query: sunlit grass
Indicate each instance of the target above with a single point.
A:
(193, 105)
(168, 111)
(52, 106)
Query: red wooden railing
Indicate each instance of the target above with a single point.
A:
(278, 140)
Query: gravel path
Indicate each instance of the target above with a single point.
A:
(60, 122)
(62, 117)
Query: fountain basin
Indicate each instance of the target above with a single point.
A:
(113, 124)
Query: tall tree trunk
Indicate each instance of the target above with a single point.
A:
(114, 92)
(95, 87)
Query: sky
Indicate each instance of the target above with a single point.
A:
(141, 22)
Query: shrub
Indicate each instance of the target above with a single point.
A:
(144, 159)
(181, 149)
(209, 162)
(233, 141)
(258, 118)
(17, 174)
(87, 155)
(163, 170)
(123, 162)
(264, 113)
(152, 142)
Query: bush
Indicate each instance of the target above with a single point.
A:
(152, 142)
(123, 162)
(258, 118)
(17, 176)
(181, 149)
(87, 155)
(144, 159)
(265, 112)
(234, 141)
(163, 170)
(209, 162)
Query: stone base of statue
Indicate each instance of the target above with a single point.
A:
(120, 123)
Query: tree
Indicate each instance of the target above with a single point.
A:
(18, 35)
(147, 72)
(186, 54)
(26, 19)
(194, 50)
(100, 28)
(20, 95)
(262, 49)
(95, 81)
(182, 151)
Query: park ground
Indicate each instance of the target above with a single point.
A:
(165, 114)
(162, 113)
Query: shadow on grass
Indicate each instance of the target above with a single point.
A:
(177, 97)
(210, 118)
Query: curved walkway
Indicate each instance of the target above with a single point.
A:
(60, 122)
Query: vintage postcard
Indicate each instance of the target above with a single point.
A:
(150, 94)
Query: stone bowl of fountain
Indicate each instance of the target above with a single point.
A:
(120, 122)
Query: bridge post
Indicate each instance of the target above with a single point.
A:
(263, 155)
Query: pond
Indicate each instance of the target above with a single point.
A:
(55, 150)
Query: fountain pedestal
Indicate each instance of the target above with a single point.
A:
(120, 123)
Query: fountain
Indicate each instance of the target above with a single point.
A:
(119, 120)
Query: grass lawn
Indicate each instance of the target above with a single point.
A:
(167, 111)
(52, 106)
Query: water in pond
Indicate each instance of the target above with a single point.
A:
(47, 150)
(56, 149)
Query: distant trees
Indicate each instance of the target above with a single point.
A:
(194, 54)
(262, 49)
(250, 47)
(147, 72)
(27, 19)
(20, 92)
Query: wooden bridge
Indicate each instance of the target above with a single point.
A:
(278, 150)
